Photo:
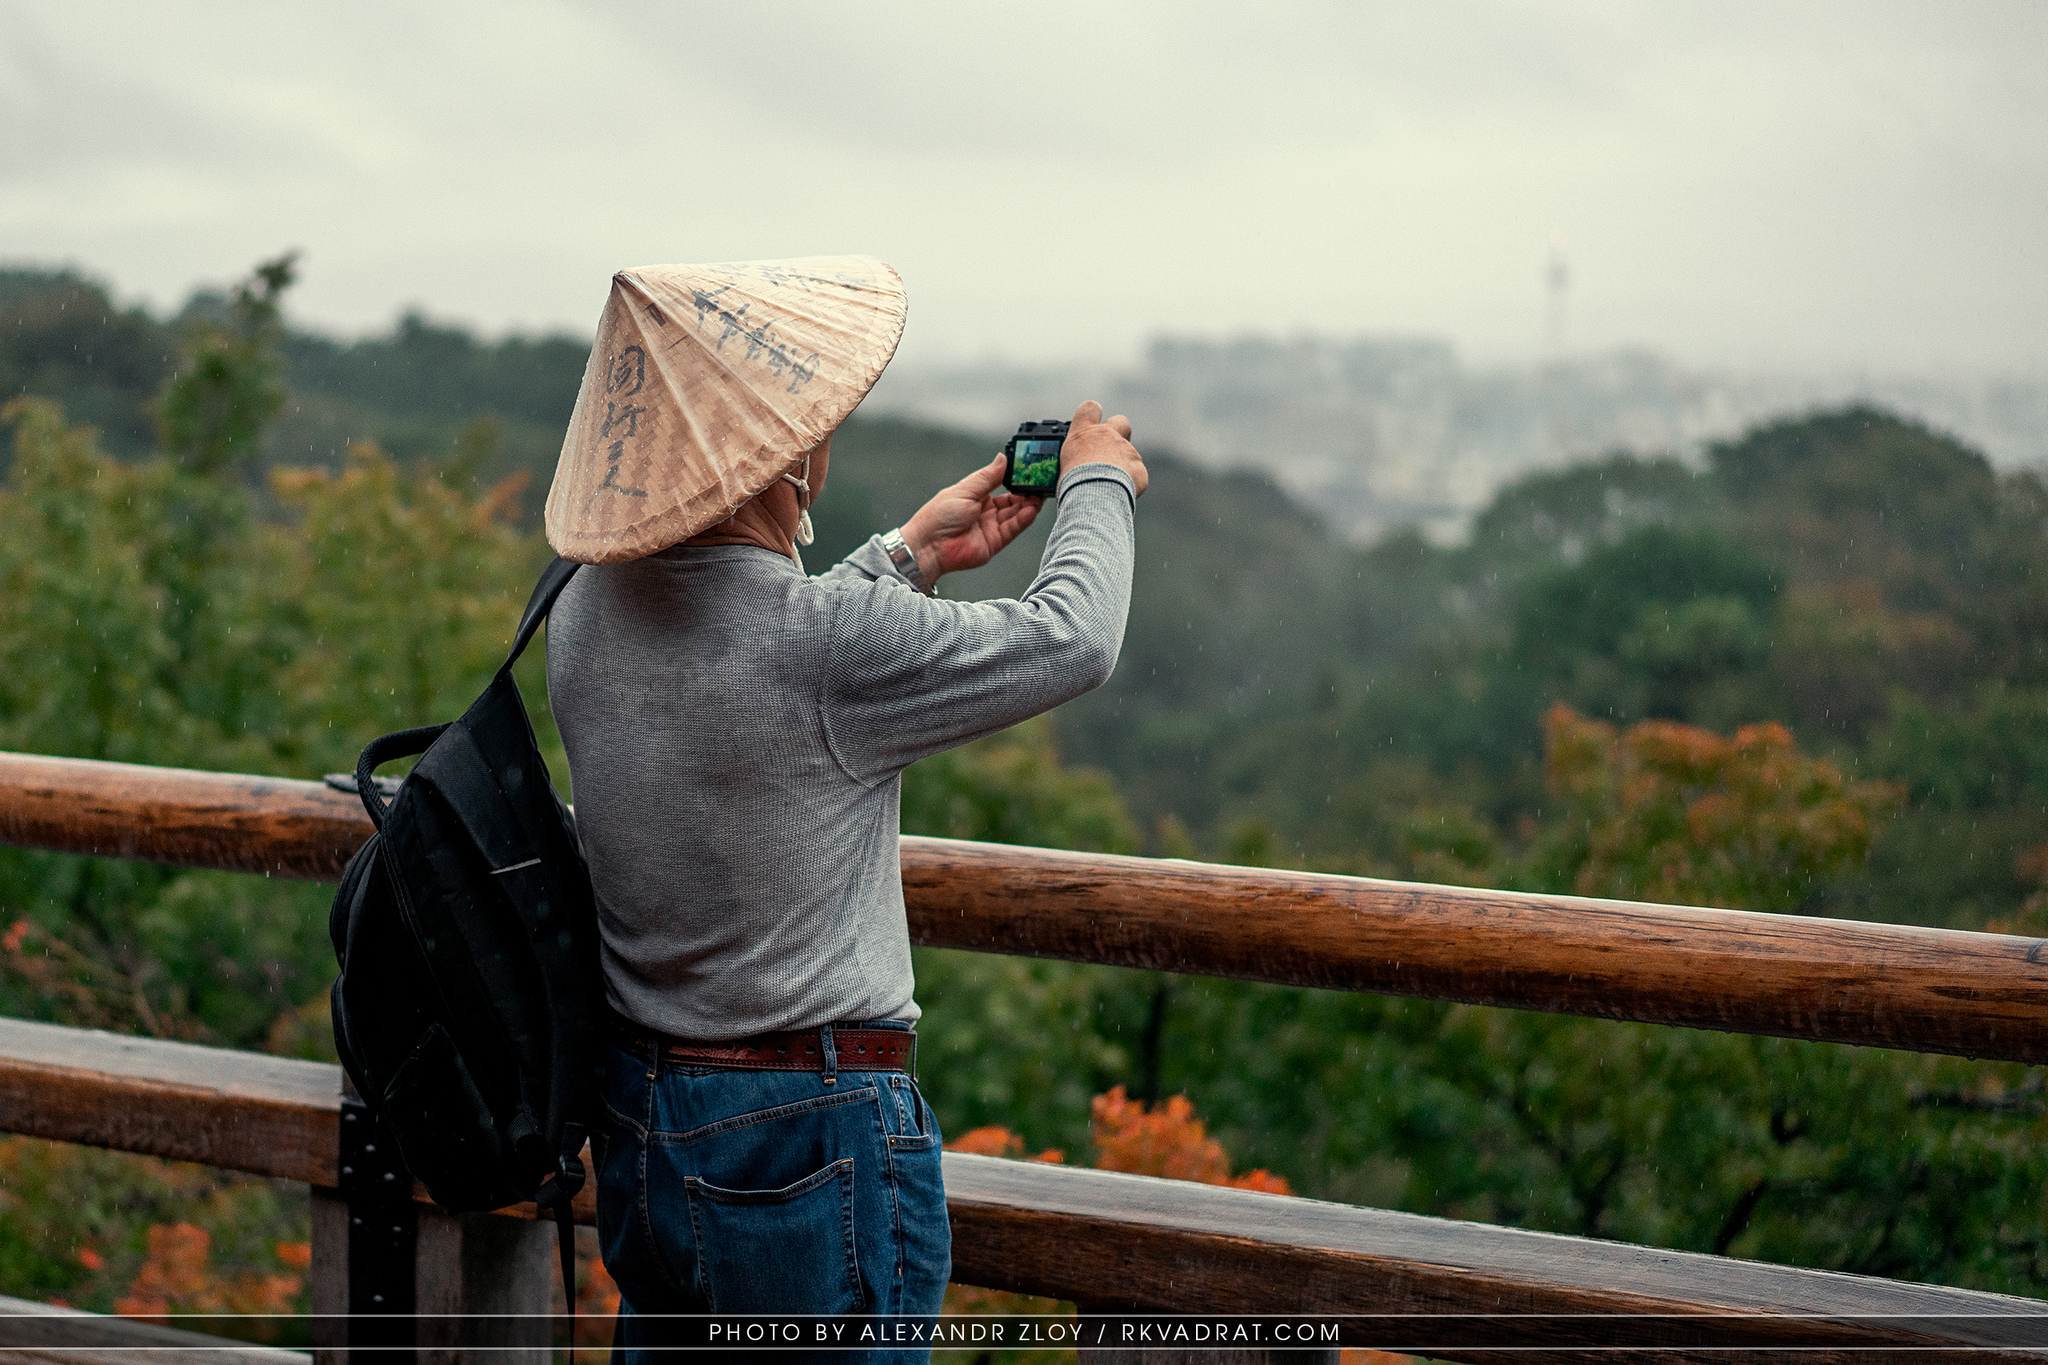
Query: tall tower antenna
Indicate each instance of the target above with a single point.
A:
(1557, 279)
(1556, 401)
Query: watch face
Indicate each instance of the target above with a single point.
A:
(901, 557)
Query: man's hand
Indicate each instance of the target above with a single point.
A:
(1090, 440)
(964, 526)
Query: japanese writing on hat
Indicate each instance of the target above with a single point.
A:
(706, 384)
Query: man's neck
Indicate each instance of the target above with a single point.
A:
(768, 521)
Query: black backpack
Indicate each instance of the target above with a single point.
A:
(470, 1007)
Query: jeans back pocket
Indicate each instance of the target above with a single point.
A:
(778, 1251)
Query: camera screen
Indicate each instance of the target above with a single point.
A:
(1038, 464)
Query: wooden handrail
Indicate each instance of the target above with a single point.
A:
(1885, 985)
(1117, 1242)
(268, 825)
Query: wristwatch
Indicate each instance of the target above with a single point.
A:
(905, 562)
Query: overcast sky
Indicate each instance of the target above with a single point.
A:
(1804, 184)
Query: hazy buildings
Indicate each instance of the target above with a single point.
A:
(1378, 431)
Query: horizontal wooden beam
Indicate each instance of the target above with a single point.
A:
(1883, 985)
(268, 825)
(1925, 990)
(240, 1111)
(1114, 1242)
(1129, 1243)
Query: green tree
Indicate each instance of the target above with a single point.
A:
(1662, 622)
(1812, 1154)
(1555, 518)
(149, 614)
(230, 381)
(405, 589)
(1679, 815)
(62, 337)
(1012, 789)
(1862, 494)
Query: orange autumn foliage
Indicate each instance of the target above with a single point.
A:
(1668, 812)
(176, 1278)
(1167, 1140)
(996, 1140)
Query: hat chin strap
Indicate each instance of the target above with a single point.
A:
(804, 534)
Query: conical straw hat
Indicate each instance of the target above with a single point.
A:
(705, 385)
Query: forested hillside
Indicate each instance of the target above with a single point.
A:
(1828, 635)
(1874, 585)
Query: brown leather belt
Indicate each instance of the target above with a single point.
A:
(854, 1049)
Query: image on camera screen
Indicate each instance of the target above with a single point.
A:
(1038, 464)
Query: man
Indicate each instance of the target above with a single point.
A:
(736, 733)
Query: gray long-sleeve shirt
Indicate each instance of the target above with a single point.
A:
(737, 732)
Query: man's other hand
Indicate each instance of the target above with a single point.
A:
(1090, 440)
(964, 526)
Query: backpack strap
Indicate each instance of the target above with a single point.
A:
(559, 1194)
(382, 750)
(565, 1243)
(404, 743)
(553, 579)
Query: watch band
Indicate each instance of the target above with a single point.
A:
(906, 562)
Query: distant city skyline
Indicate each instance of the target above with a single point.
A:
(1827, 185)
(1373, 433)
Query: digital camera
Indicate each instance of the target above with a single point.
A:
(1033, 456)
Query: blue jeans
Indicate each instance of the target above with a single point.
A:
(722, 1191)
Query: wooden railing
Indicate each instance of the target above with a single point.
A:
(1116, 1242)
(1884, 985)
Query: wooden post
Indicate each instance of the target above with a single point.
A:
(483, 1285)
(489, 1281)
(328, 1291)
